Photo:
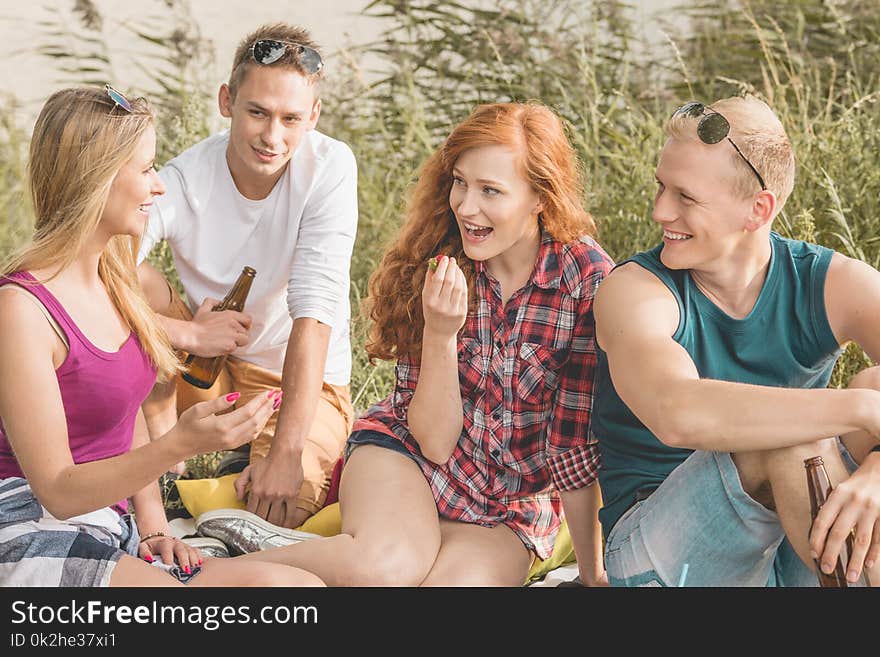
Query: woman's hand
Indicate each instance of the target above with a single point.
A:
(205, 431)
(444, 298)
(170, 550)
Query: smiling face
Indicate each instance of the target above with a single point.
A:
(272, 110)
(495, 207)
(132, 191)
(704, 221)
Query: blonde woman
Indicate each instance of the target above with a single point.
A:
(79, 351)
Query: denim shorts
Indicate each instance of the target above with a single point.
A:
(370, 437)
(702, 525)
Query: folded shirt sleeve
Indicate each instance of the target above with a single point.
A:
(319, 274)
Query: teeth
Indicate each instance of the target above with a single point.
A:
(676, 236)
(473, 226)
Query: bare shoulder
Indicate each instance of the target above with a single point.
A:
(629, 286)
(22, 323)
(852, 300)
(632, 304)
(845, 271)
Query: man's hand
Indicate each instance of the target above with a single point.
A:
(271, 485)
(217, 333)
(853, 505)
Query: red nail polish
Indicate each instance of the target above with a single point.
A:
(277, 404)
(187, 570)
(271, 394)
(232, 396)
(148, 558)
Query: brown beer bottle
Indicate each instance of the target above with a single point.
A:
(202, 371)
(819, 487)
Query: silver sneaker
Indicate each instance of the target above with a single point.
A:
(210, 547)
(244, 532)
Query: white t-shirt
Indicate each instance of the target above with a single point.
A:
(299, 239)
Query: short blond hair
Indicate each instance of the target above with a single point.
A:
(278, 32)
(759, 134)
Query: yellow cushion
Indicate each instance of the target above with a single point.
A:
(201, 495)
(563, 553)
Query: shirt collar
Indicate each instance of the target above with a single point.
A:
(548, 266)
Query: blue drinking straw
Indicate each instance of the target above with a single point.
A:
(684, 573)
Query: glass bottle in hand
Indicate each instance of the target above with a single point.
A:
(202, 371)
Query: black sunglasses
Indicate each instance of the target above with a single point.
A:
(269, 51)
(712, 128)
(118, 99)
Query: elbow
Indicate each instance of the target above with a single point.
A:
(436, 454)
(58, 508)
(675, 426)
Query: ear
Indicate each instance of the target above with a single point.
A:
(224, 101)
(315, 113)
(539, 207)
(762, 211)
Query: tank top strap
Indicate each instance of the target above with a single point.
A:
(50, 302)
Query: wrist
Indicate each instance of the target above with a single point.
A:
(173, 446)
(438, 339)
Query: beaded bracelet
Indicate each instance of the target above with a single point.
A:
(151, 535)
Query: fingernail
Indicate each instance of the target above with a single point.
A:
(148, 558)
(826, 568)
(187, 571)
(200, 562)
(852, 576)
(232, 396)
(869, 563)
(271, 394)
(813, 555)
(276, 405)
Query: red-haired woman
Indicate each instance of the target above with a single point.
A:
(456, 477)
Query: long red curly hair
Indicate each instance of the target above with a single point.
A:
(548, 162)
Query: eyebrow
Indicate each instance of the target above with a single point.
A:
(683, 190)
(252, 105)
(482, 181)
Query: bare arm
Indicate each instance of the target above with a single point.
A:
(582, 513)
(208, 333)
(34, 421)
(275, 481)
(636, 317)
(435, 414)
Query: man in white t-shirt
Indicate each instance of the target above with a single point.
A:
(274, 194)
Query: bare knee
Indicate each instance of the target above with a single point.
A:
(757, 470)
(388, 563)
(868, 378)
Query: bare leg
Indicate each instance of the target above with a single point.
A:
(776, 478)
(471, 555)
(215, 572)
(390, 529)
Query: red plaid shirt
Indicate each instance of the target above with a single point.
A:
(526, 371)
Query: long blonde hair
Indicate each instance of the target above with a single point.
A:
(80, 142)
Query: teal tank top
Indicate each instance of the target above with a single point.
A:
(785, 341)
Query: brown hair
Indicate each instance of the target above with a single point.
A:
(549, 164)
(279, 32)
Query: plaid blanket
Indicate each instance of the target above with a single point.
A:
(37, 549)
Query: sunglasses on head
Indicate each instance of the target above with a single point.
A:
(269, 51)
(118, 99)
(712, 128)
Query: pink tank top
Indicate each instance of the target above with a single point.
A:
(102, 391)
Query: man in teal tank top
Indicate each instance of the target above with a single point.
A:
(716, 351)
